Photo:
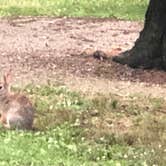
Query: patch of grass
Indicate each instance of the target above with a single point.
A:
(134, 121)
(63, 145)
(151, 132)
(98, 130)
(55, 104)
(123, 9)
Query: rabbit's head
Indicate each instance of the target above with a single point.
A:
(5, 84)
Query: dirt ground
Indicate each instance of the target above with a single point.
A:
(42, 50)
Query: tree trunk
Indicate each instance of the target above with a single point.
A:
(149, 50)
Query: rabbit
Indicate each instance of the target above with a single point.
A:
(16, 110)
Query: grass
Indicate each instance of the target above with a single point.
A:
(122, 9)
(74, 129)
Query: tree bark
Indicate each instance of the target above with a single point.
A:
(149, 50)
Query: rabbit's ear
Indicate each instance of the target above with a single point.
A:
(7, 78)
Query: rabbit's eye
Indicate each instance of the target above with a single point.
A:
(1, 87)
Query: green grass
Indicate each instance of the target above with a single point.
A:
(63, 146)
(74, 129)
(123, 9)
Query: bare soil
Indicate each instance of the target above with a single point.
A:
(58, 50)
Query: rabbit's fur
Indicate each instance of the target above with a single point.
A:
(16, 110)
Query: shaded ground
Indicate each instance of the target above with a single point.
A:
(49, 49)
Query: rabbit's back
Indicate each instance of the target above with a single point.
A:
(20, 112)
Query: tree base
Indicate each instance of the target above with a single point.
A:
(149, 50)
(123, 58)
(134, 59)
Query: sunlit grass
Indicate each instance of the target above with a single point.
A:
(123, 9)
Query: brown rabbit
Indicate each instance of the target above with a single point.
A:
(16, 110)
